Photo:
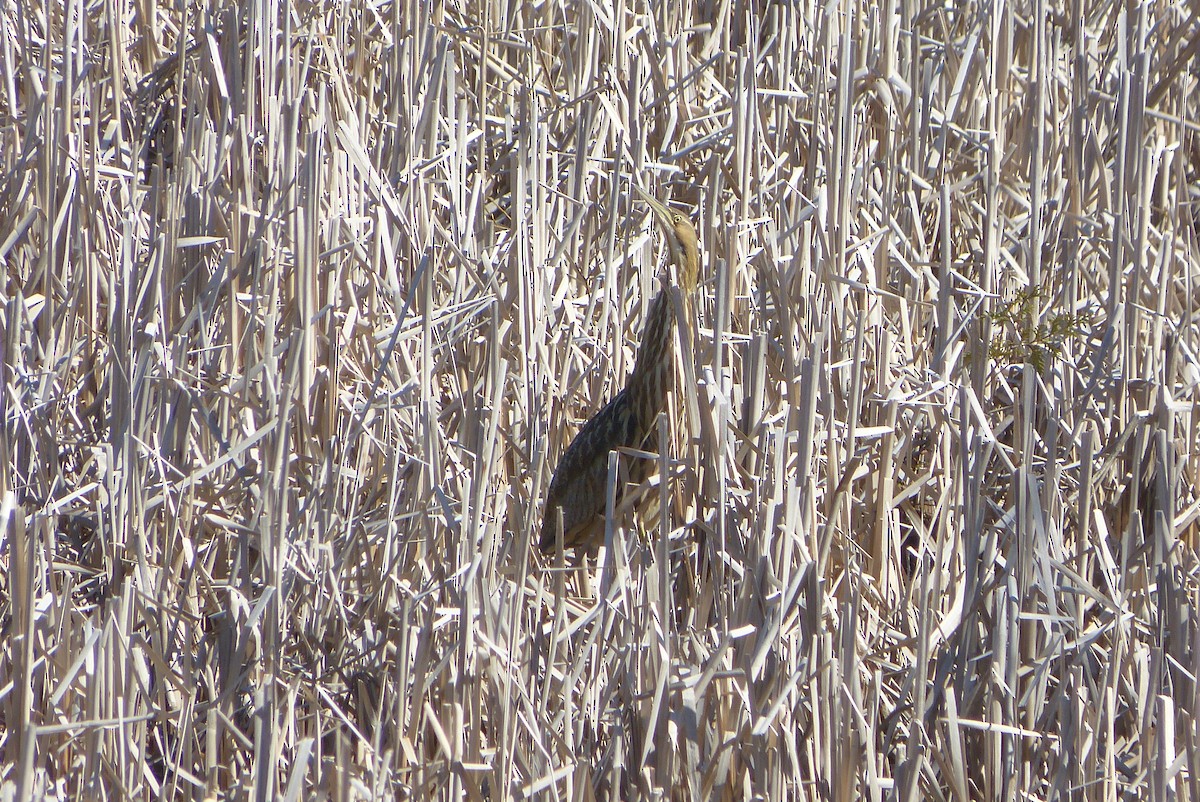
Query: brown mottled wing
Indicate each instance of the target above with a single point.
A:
(581, 480)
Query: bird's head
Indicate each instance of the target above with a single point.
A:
(681, 239)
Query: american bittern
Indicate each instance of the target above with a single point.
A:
(579, 485)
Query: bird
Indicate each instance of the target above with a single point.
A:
(579, 484)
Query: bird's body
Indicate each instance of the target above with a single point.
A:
(628, 420)
(580, 481)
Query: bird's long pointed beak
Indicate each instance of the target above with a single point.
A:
(661, 211)
(680, 238)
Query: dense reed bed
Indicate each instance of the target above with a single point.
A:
(302, 302)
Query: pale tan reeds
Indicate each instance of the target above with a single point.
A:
(299, 299)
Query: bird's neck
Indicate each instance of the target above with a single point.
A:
(653, 373)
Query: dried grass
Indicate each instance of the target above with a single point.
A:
(303, 301)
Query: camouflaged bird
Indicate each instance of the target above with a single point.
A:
(580, 483)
